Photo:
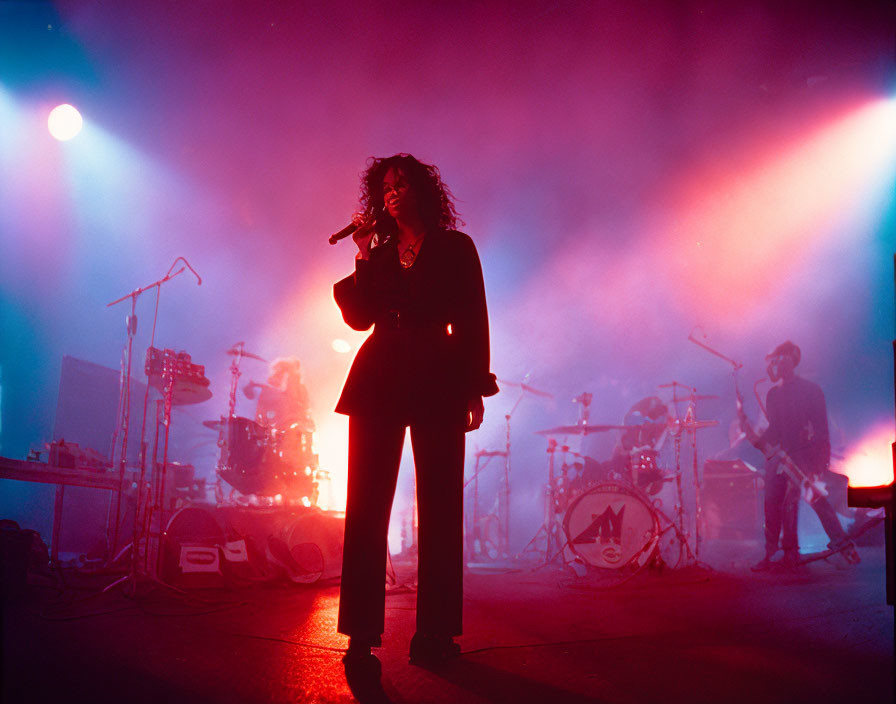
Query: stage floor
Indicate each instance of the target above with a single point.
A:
(822, 633)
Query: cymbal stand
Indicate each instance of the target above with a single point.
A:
(223, 432)
(504, 495)
(690, 417)
(682, 529)
(235, 378)
(475, 533)
(678, 427)
(131, 577)
(504, 492)
(550, 528)
(679, 493)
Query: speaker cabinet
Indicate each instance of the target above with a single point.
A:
(732, 505)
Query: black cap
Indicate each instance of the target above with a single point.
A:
(788, 348)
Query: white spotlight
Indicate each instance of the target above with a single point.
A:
(341, 346)
(64, 122)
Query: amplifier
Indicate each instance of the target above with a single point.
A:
(732, 505)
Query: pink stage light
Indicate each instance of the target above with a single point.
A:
(749, 222)
(64, 122)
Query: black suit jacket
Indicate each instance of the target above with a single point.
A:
(798, 422)
(428, 355)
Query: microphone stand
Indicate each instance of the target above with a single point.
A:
(735, 367)
(126, 415)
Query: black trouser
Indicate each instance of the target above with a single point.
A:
(829, 520)
(373, 459)
(782, 500)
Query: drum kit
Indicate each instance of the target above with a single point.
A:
(265, 460)
(272, 464)
(607, 519)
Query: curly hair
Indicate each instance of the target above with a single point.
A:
(435, 200)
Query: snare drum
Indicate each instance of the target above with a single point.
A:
(611, 526)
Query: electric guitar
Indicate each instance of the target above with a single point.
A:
(811, 489)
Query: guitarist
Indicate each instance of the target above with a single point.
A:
(797, 435)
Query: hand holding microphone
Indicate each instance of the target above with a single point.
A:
(361, 230)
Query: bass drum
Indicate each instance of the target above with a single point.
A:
(612, 526)
(191, 549)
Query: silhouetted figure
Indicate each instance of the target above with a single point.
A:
(418, 282)
(647, 425)
(283, 400)
(798, 425)
(634, 457)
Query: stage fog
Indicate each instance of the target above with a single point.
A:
(633, 176)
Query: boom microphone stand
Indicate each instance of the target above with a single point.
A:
(735, 367)
(132, 330)
(124, 410)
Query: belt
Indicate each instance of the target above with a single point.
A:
(394, 319)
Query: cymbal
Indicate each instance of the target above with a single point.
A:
(525, 387)
(183, 392)
(580, 429)
(696, 397)
(676, 385)
(213, 424)
(237, 351)
(699, 424)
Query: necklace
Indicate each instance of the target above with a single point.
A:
(409, 255)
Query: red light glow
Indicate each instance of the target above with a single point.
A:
(870, 463)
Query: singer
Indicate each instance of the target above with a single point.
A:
(418, 282)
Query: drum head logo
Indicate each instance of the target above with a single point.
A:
(605, 530)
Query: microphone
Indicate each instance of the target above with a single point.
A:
(346, 231)
(343, 233)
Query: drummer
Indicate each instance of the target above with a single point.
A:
(283, 399)
(634, 456)
(647, 425)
